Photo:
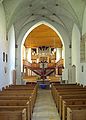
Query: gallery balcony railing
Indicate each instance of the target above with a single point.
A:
(44, 69)
(38, 65)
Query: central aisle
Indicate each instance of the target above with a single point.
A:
(45, 108)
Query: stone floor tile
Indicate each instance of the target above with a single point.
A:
(45, 108)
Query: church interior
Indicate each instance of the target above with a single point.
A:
(42, 59)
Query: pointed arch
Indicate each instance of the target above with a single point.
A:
(32, 28)
(38, 24)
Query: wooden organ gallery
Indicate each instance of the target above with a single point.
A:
(45, 62)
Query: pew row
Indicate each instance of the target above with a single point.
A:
(13, 115)
(76, 112)
(68, 94)
(20, 96)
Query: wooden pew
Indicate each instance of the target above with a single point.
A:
(71, 91)
(55, 89)
(13, 102)
(6, 97)
(63, 97)
(18, 108)
(29, 87)
(34, 84)
(23, 86)
(67, 90)
(13, 115)
(60, 93)
(76, 112)
(12, 94)
(18, 103)
(21, 93)
(71, 102)
(23, 90)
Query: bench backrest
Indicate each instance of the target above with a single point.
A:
(13, 102)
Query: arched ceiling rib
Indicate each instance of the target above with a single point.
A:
(62, 12)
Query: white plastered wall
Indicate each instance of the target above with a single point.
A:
(57, 28)
(83, 74)
(3, 48)
(84, 23)
(11, 53)
(80, 75)
(76, 51)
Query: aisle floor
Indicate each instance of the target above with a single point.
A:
(45, 108)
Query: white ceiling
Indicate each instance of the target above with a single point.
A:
(62, 12)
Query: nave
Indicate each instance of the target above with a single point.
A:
(45, 108)
(29, 102)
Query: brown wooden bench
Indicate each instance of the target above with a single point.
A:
(29, 87)
(34, 84)
(20, 92)
(71, 102)
(14, 108)
(23, 86)
(63, 87)
(19, 98)
(76, 112)
(63, 97)
(57, 97)
(68, 90)
(16, 98)
(13, 115)
(17, 103)
(17, 95)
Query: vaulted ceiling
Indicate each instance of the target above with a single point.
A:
(62, 12)
(43, 36)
